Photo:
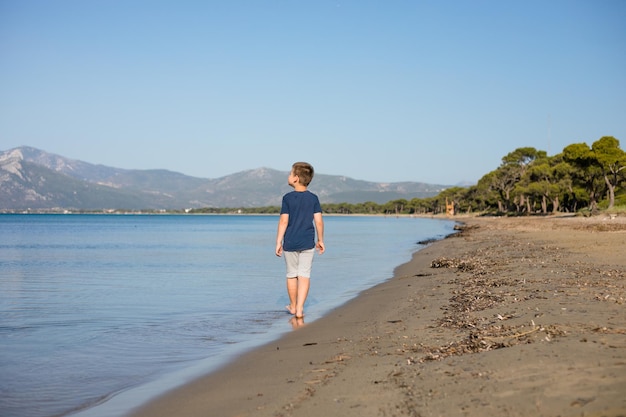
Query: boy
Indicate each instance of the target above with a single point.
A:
(300, 218)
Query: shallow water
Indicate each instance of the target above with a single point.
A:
(94, 307)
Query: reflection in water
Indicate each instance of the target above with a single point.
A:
(296, 322)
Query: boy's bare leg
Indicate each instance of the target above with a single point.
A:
(303, 291)
(292, 291)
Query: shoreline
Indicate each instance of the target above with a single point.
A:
(520, 316)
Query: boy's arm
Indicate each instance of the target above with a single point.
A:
(319, 227)
(280, 234)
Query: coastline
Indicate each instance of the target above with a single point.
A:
(520, 316)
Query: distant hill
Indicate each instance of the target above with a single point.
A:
(34, 179)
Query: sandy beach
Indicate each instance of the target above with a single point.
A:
(510, 317)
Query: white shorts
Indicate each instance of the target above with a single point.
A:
(299, 263)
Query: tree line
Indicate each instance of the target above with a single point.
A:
(528, 181)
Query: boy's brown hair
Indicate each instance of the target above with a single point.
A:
(304, 171)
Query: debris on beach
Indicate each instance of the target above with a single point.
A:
(460, 264)
(480, 287)
(523, 290)
(490, 338)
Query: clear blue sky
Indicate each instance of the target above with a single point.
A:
(432, 91)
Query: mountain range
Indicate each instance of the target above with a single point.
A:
(32, 179)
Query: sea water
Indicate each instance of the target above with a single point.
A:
(99, 313)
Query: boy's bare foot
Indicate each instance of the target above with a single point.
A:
(290, 309)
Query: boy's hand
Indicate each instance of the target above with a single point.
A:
(320, 247)
(279, 249)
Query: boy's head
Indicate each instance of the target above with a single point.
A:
(304, 171)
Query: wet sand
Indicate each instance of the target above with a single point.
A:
(511, 317)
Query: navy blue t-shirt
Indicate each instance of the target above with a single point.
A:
(300, 233)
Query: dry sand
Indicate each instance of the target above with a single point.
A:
(511, 317)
